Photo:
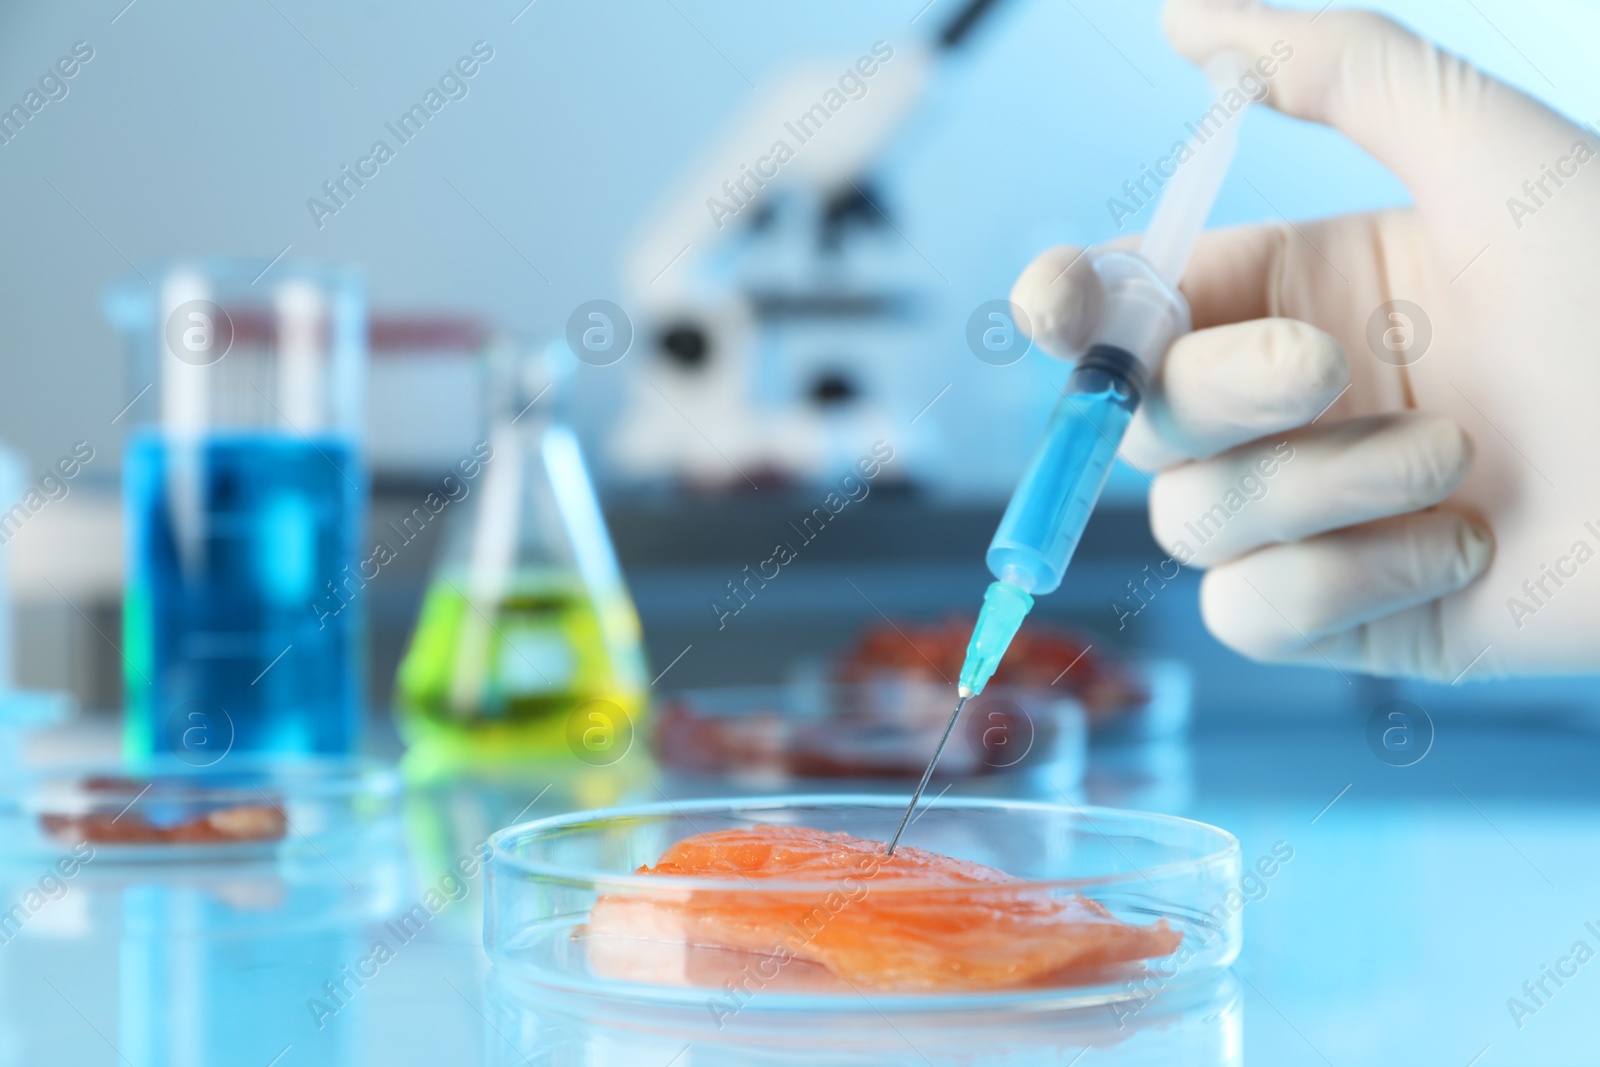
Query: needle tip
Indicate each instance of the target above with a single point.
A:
(965, 694)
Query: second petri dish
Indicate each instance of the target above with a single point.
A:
(164, 809)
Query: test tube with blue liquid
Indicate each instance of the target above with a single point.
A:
(1138, 312)
(244, 496)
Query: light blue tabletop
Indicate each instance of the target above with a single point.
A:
(1417, 903)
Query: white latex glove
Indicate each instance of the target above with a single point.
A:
(1441, 519)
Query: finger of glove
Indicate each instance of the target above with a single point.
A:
(1306, 483)
(1275, 603)
(1222, 387)
(1409, 103)
(1411, 643)
(1060, 298)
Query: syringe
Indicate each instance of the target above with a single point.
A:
(1143, 313)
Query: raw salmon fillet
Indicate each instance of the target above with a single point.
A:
(916, 921)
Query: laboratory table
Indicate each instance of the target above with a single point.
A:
(1442, 912)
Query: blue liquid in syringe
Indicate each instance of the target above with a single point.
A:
(1052, 504)
(231, 636)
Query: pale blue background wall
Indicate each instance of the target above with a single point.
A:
(203, 127)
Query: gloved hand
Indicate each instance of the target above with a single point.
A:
(1438, 514)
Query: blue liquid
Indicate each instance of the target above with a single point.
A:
(1049, 509)
(1051, 506)
(231, 543)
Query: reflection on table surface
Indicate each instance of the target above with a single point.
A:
(1187, 1027)
(1421, 914)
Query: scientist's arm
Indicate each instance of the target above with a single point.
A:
(1380, 438)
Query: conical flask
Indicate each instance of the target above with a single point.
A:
(527, 641)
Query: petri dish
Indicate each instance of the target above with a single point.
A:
(167, 809)
(545, 877)
(884, 730)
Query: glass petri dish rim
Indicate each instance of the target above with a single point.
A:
(240, 776)
(500, 857)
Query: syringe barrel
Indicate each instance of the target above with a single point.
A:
(1058, 491)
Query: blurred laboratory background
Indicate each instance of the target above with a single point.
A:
(763, 350)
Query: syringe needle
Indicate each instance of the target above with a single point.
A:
(927, 774)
